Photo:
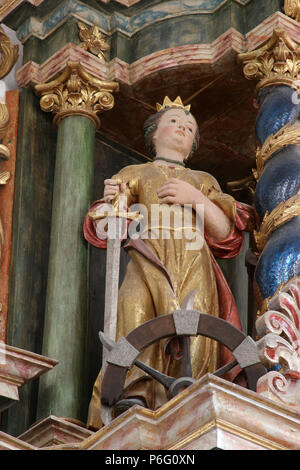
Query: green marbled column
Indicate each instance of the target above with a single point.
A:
(61, 391)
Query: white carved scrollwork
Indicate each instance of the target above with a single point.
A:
(279, 346)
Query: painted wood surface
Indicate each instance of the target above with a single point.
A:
(6, 206)
(66, 305)
(30, 243)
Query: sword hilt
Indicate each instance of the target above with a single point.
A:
(121, 214)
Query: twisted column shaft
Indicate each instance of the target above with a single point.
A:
(276, 199)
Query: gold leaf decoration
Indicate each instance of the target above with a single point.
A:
(4, 177)
(246, 184)
(93, 40)
(9, 54)
(292, 9)
(287, 135)
(275, 63)
(4, 120)
(76, 92)
(4, 152)
(284, 212)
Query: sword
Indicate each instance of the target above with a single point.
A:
(116, 228)
(111, 298)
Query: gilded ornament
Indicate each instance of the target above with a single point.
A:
(4, 120)
(93, 40)
(275, 63)
(4, 155)
(292, 9)
(244, 184)
(264, 307)
(167, 103)
(279, 332)
(94, 215)
(4, 177)
(4, 152)
(9, 54)
(76, 92)
(287, 135)
(284, 212)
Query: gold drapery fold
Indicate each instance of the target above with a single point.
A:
(146, 292)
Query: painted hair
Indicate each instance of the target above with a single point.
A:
(151, 125)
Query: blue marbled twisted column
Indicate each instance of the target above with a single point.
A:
(279, 181)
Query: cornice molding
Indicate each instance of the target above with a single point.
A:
(109, 22)
(227, 408)
(127, 3)
(202, 6)
(10, 5)
(18, 367)
(32, 73)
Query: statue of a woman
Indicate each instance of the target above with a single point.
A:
(156, 284)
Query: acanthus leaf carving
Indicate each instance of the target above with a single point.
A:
(76, 92)
(275, 63)
(93, 41)
(292, 9)
(279, 346)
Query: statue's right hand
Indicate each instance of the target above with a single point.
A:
(112, 188)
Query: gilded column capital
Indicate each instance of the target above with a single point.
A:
(275, 63)
(292, 9)
(76, 92)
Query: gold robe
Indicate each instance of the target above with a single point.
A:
(146, 292)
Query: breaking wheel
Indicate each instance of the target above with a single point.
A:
(184, 323)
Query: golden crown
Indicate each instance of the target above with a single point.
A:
(172, 104)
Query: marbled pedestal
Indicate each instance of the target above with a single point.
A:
(55, 431)
(210, 414)
(18, 367)
(8, 442)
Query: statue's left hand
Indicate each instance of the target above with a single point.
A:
(176, 191)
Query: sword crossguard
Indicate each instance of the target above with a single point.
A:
(121, 214)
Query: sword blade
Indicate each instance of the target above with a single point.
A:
(111, 287)
(111, 294)
(108, 344)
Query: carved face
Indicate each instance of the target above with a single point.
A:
(175, 131)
